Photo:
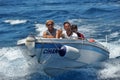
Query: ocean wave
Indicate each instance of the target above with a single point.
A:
(12, 61)
(40, 28)
(115, 34)
(111, 70)
(14, 22)
(114, 49)
(95, 11)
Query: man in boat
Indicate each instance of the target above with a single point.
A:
(51, 32)
(68, 33)
(75, 30)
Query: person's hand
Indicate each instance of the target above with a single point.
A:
(59, 33)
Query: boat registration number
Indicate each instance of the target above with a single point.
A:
(50, 51)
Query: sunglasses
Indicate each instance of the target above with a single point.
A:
(49, 24)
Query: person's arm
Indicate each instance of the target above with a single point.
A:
(47, 36)
(58, 33)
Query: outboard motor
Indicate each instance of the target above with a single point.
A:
(69, 52)
(30, 44)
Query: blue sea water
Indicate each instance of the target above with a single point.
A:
(95, 19)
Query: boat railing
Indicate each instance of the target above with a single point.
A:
(56, 40)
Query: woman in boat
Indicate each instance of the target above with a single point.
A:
(75, 30)
(51, 32)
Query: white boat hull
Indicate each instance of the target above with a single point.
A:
(58, 55)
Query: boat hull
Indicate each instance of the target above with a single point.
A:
(57, 55)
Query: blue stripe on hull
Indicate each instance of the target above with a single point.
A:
(47, 45)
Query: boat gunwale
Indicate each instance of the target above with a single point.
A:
(71, 41)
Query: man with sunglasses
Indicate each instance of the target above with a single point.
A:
(51, 32)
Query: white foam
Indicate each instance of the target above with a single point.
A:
(114, 49)
(87, 29)
(115, 34)
(40, 28)
(112, 66)
(11, 53)
(14, 22)
(110, 71)
(75, 21)
(118, 41)
(12, 62)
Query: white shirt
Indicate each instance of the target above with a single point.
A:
(72, 36)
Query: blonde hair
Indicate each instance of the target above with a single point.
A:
(49, 21)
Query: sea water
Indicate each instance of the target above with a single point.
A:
(95, 19)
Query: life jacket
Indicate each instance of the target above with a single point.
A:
(80, 35)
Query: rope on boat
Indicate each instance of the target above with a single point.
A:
(41, 51)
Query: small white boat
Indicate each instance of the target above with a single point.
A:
(58, 55)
